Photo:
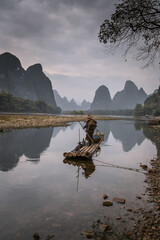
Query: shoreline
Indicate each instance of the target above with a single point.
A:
(21, 121)
(146, 220)
(147, 225)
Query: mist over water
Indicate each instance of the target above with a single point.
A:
(41, 192)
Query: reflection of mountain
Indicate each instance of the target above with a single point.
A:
(104, 127)
(153, 135)
(30, 142)
(57, 130)
(126, 133)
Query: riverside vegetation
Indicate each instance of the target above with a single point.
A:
(10, 103)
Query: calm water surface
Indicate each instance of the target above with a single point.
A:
(40, 192)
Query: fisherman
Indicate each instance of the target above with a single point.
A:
(90, 126)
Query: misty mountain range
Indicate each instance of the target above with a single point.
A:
(33, 84)
(66, 105)
(125, 99)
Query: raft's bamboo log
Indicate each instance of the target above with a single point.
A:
(83, 154)
(74, 154)
(88, 154)
(91, 149)
(85, 151)
(78, 154)
(69, 154)
(88, 148)
(65, 154)
(83, 148)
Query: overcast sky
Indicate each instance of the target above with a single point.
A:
(62, 36)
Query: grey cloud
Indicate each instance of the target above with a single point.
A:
(9, 4)
(60, 34)
(52, 19)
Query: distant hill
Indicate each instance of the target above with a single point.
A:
(85, 105)
(151, 105)
(153, 101)
(128, 97)
(66, 105)
(102, 99)
(31, 84)
(125, 99)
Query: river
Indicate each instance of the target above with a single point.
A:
(41, 192)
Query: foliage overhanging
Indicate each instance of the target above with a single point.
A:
(134, 24)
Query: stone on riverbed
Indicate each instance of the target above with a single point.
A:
(152, 170)
(139, 197)
(119, 200)
(107, 203)
(103, 227)
(88, 234)
(105, 196)
(143, 166)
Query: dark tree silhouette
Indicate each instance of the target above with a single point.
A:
(135, 23)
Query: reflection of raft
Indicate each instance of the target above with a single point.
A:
(86, 164)
(85, 151)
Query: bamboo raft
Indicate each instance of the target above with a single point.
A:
(84, 151)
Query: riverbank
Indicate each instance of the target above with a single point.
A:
(40, 121)
(147, 226)
(155, 122)
(146, 220)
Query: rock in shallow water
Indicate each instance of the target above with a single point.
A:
(105, 196)
(103, 227)
(119, 200)
(107, 203)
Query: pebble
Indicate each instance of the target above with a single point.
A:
(139, 197)
(129, 210)
(143, 166)
(107, 203)
(103, 227)
(152, 170)
(119, 200)
(105, 196)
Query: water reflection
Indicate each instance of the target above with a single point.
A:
(43, 198)
(28, 142)
(56, 131)
(32, 142)
(123, 131)
(87, 166)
